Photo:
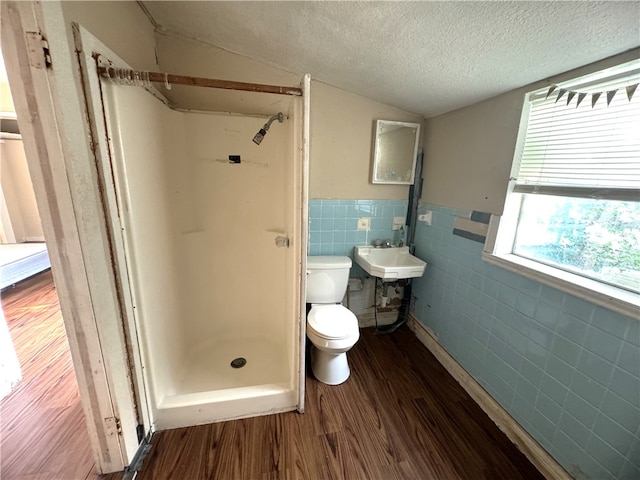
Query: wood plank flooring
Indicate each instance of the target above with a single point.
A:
(399, 416)
(42, 428)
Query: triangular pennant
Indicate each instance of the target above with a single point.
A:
(594, 98)
(631, 89)
(570, 97)
(610, 95)
(581, 97)
(551, 89)
(561, 92)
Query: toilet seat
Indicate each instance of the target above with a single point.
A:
(332, 322)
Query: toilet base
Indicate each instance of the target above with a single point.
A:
(329, 368)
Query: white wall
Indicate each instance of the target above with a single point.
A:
(468, 152)
(18, 192)
(342, 143)
(188, 56)
(6, 102)
(17, 189)
(122, 26)
(235, 273)
(149, 142)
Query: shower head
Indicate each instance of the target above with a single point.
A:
(259, 136)
(257, 139)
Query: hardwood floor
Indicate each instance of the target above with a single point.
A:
(42, 428)
(399, 416)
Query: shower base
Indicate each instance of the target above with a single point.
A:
(209, 366)
(211, 390)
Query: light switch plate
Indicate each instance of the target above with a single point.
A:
(364, 224)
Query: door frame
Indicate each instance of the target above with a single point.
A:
(51, 109)
(88, 48)
(303, 176)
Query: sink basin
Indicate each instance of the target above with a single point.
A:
(389, 263)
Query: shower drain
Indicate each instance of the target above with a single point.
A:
(238, 362)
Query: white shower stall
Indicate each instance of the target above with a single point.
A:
(213, 252)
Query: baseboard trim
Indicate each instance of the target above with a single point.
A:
(537, 455)
(33, 239)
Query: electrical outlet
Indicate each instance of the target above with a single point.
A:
(397, 223)
(364, 223)
(426, 217)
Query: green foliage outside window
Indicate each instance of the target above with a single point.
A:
(597, 238)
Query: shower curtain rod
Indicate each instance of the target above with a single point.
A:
(133, 75)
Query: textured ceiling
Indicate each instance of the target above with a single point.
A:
(423, 57)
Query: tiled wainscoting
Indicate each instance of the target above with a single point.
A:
(568, 371)
(333, 224)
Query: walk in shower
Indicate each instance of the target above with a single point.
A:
(213, 231)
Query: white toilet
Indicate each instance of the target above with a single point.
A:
(331, 328)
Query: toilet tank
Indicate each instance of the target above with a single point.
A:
(327, 278)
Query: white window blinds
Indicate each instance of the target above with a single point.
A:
(583, 151)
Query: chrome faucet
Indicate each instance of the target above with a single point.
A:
(382, 243)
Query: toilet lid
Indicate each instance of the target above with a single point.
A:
(332, 321)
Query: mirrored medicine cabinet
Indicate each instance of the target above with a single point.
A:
(395, 151)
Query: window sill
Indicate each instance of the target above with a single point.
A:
(616, 299)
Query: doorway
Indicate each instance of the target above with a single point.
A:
(43, 431)
(49, 101)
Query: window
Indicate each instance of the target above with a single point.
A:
(572, 212)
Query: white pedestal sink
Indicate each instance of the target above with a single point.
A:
(390, 263)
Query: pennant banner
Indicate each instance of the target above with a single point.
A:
(551, 89)
(631, 90)
(594, 98)
(581, 96)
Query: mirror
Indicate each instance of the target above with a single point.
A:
(395, 151)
